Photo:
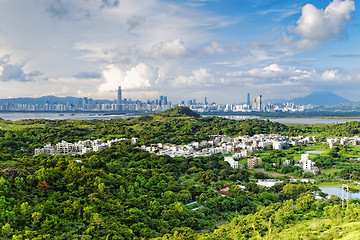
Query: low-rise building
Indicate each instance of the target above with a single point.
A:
(252, 162)
(234, 164)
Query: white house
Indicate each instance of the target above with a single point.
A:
(232, 162)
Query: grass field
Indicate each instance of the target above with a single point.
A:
(320, 229)
(15, 126)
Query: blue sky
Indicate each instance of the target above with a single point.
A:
(221, 49)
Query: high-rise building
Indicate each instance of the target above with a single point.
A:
(254, 104)
(259, 102)
(119, 99)
(248, 100)
(165, 100)
(206, 102)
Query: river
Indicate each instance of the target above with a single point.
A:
(294, 120)
(88, 116)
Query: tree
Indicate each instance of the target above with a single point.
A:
(252, 187)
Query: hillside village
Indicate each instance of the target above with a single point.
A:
(80, 147)
(241, 147)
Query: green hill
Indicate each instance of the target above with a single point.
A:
(179, 111)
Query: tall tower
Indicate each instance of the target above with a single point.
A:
(259, 102)
(248, 100)
(119, 99)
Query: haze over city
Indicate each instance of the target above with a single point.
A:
(182, 49)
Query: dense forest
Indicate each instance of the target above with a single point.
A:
(123, 192)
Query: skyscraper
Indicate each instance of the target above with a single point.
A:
(259, 102)
(248, 100)
(119, 99)
(206, 102)
(161, 102)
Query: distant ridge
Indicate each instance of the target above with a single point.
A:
(346, 107)
(179, 111)
(321, 99)
(315, 98)
(49, 100)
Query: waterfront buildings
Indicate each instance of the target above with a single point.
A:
(161, 104)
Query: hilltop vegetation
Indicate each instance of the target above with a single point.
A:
(178, 125)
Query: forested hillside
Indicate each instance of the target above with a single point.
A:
(123, 192)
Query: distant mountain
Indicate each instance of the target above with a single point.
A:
(277, 100)
(49, 100)
(315, 98)
(321, 99)
(346, 107)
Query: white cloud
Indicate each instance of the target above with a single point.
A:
(329, 75)
(271, 71)
(214, 47)
(169, 49)
(273, 68)
(199, 77)
(11, 71)
(139, 77)
(317, 26)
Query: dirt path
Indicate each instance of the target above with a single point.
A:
(271, 173)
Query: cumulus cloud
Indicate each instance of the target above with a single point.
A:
(275, 78)
(274, 74)
(271, 71)
(139, 77)
(15, 72)
(273, 68)
(169, 49)
(199, 77)
(214, 47)
(329, 75)
(316, 26)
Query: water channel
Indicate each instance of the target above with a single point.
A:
(337, 192)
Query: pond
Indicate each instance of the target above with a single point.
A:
(337, 192)
(315, 152)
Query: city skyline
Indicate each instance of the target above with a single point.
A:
(183, 49)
